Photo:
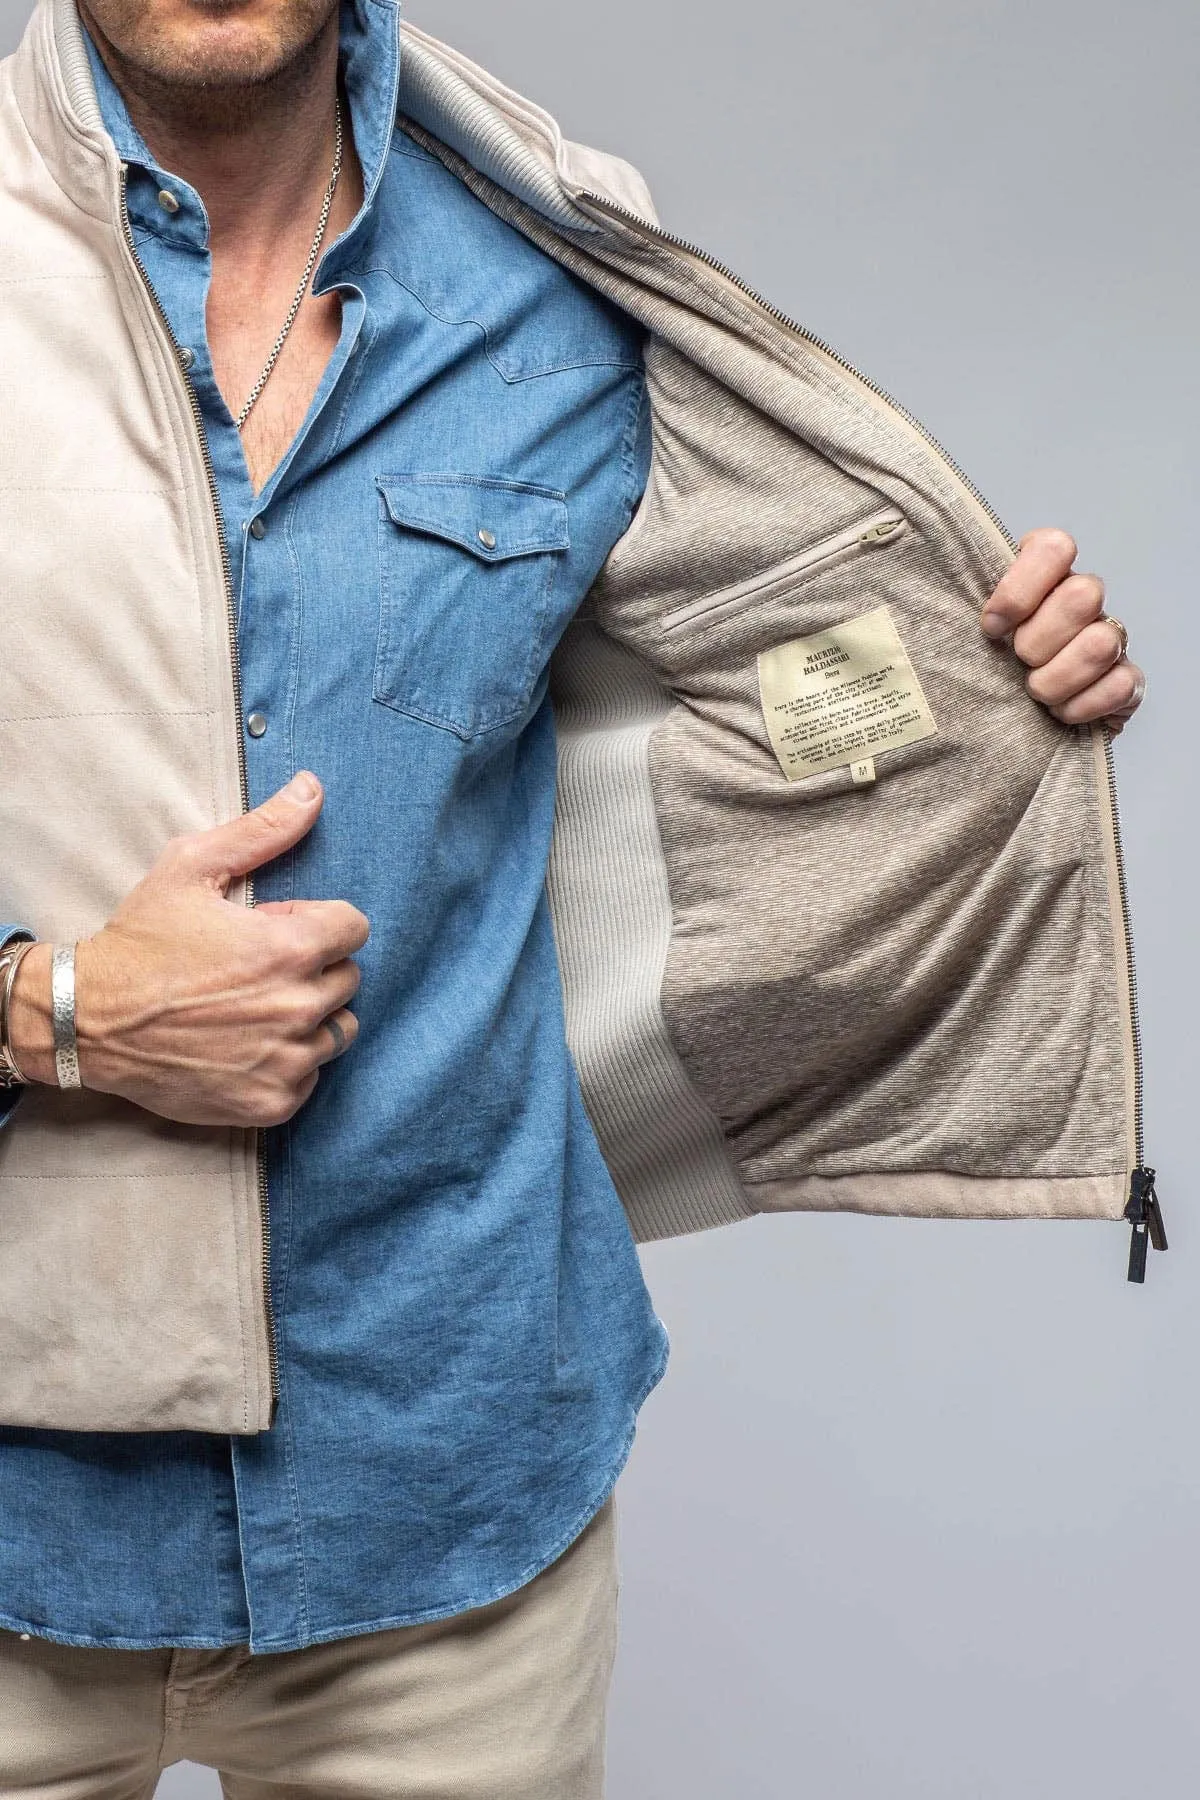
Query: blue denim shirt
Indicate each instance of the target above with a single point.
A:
(464, 1334)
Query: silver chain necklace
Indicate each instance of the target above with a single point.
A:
(313, 254)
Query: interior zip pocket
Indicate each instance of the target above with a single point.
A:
(882, 527)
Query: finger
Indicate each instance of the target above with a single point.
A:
(1074, 604)
(1116, 721)
(1085, 659)
(305, 1090)
(333, 1037)
(334, 988)
(1043, 560)
(328, 930)
(1119, 693)
(254, 837)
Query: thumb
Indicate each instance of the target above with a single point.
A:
(266, 831)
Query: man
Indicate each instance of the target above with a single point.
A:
(321, 425)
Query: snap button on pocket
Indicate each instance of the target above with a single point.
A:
(463, 607)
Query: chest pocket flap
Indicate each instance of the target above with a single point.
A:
(466, 571)
(492, 519)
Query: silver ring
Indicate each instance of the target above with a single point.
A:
(337, 1034)
(1122, 633)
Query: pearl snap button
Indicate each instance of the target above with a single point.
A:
(256, 724)
(168, 201)
(487, 538)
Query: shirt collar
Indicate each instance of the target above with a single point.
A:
(369, 41)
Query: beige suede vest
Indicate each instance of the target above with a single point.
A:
(787, 986)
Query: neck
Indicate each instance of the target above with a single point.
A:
(255, 155)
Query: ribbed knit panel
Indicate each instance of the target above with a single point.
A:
(443, 103)
(76, 70)
(612, 914)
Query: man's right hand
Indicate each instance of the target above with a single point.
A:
(195, 1006)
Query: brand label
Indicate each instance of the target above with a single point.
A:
(838, 698)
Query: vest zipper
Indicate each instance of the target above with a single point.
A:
(243, 776)
(1142, 1209)
(1145, 1217)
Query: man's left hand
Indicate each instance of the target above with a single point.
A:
(1074, 651)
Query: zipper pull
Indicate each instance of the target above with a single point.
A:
(1145, 1216)
(878, 533)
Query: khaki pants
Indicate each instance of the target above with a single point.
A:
(502, 1703)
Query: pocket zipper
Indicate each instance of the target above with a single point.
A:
(879, 528)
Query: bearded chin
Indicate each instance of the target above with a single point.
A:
(215, 62)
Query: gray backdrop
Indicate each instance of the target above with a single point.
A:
(914, 1514)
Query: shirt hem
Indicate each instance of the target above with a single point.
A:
(361, 1628)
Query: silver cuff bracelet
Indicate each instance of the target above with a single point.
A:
(62, 1010)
